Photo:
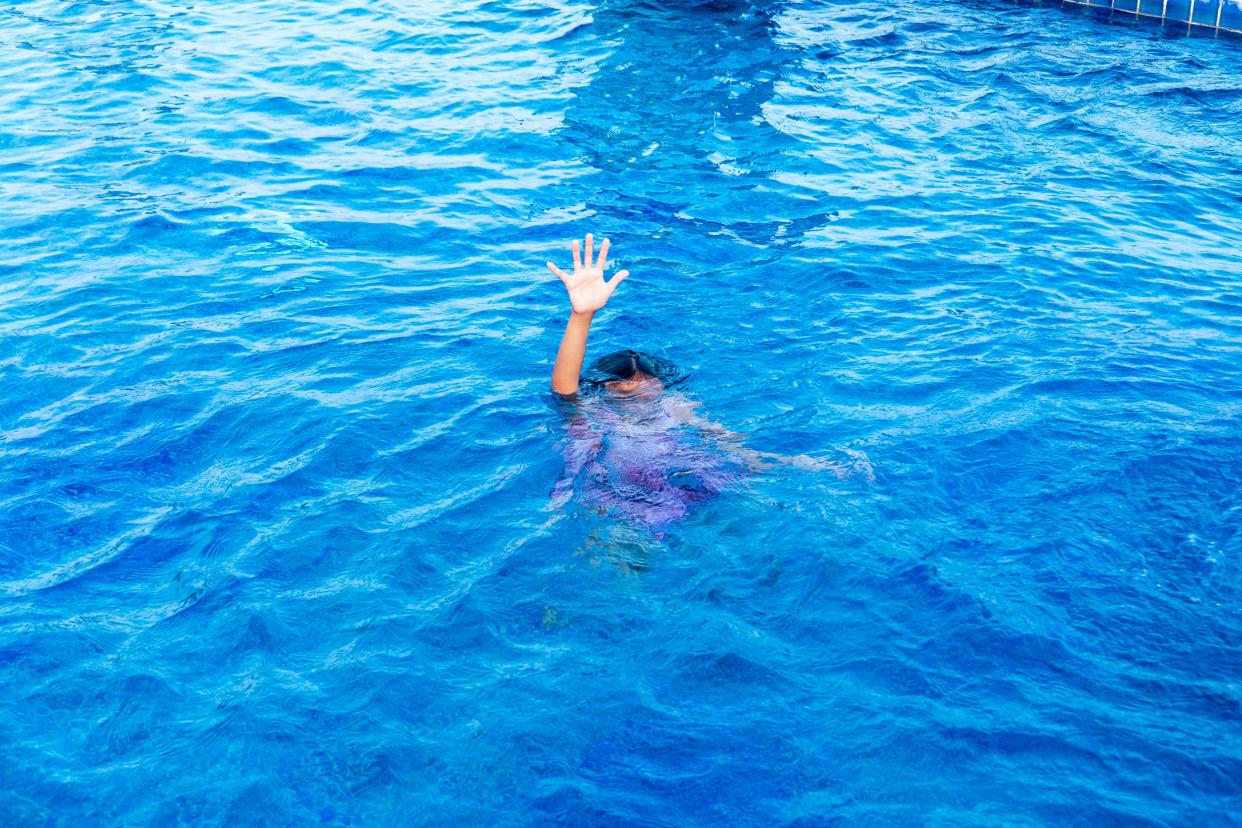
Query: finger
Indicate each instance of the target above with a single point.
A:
(577, 256)
(616, 280)
(603, 255)
(559, 273)
(587, 257)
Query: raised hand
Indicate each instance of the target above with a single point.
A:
(588, 292)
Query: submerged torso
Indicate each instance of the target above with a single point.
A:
(640, 460)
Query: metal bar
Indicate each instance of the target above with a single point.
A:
(1163, 14)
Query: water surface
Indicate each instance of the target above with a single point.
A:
(280, 539)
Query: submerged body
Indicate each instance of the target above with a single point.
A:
(642, 460)
(636, 449)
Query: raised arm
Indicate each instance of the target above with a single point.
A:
(588, 292)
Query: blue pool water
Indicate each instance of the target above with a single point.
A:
(282, 540)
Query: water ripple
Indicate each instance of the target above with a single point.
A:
(281, 531)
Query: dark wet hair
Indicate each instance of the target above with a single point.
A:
(621, 365)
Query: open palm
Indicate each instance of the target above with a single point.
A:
(588, 292)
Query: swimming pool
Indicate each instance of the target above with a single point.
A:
(279, 542)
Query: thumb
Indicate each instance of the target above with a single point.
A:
(617, 279)
(560, 273)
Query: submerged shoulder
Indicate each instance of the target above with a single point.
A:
(680, 407)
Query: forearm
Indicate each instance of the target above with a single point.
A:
(761, 460)
(568, 368)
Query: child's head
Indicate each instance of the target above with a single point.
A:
(630, 373)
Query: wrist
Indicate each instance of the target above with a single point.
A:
(584, 316)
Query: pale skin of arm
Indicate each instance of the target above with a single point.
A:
(588, 293)
(731, 441)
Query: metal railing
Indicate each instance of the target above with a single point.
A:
(1222, 15)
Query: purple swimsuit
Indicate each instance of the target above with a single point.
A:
(636, 460)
